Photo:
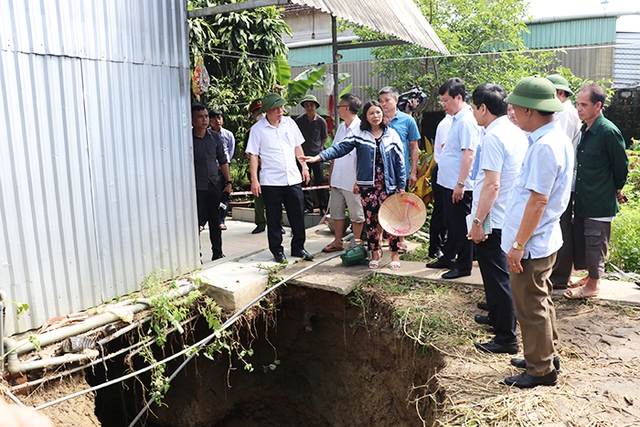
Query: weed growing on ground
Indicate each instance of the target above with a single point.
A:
(420, 254)
(272, 272)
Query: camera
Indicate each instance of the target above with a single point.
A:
(413, 97)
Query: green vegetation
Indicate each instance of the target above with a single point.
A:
(484, 39)
(625, 229)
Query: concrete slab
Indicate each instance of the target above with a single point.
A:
(239, 278)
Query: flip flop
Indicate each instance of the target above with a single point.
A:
(402, 248)
(394, 265)
(332, 248)
(374, 264)
(579, 283)
(579, 293)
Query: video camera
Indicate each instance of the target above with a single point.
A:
(410, 97)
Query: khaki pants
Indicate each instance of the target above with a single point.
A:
(531, 292)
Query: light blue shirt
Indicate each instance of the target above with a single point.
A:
(463, 135)
(547, 170)
(502, 150)
(406, 127)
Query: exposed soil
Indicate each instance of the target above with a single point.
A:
(408, 361)
(317, 363)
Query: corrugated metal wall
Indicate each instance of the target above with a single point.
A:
(96, 169)
(627, 69)
(577, 32)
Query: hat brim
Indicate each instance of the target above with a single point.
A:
(547, 104)
(564, 88)
(309, 100)
(279, 103)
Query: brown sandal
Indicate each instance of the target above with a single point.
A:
(332, 248)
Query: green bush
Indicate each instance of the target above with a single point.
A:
(625, 235)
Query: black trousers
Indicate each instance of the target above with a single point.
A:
(208, 202)
(563, 266)
(455, 219)
(495, 276)
(318, 179)
(292, 199)
(437, 229)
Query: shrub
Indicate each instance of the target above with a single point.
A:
(625, 235)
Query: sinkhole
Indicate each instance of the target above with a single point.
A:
(317, 361)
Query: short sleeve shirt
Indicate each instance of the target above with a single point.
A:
(547, 169)
(503, 148)
(406, 127)
(343, 174)
(463, 135)
(276, 148)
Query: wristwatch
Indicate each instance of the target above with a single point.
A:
(228, 182)
(477, 221)
(460, 184)
(517, 246)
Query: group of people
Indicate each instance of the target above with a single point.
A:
(532, 194)
(524, 182)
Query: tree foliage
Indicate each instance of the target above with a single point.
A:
(240, 51)
(484, 38)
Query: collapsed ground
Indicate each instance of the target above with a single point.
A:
(396, 352)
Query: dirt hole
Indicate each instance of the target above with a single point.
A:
(317, 362)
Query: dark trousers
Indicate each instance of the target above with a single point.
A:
(292, 199)
(318, 179)
(563, 266)
(495, 276)
(258, 208)
(455, 219)
(437, 229)
(208, 202)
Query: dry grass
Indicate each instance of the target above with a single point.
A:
(599, 348)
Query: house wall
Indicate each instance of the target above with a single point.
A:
(96, 169)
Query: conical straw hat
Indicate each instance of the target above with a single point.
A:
(402, 214)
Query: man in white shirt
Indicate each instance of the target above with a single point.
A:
(502, 151)
(275, 144)
(454, 170)
(342, 177)
(570, 123)
(531, 234)
(437, 228)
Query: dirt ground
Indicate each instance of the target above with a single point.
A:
(599, 350)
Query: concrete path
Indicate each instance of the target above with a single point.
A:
(242, 275)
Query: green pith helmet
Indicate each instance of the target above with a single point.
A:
(560, 83)
(272, 100)
(536, 93)
(310, 98)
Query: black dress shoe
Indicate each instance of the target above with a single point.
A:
(482, 319)
(258, 229)
(493, 347)
(455, 273)
(525, 380)
(303, 254)
(483, 306)
(215, 257)
(279, 257)
(440, 263)
(522, 364)
(308, 210)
